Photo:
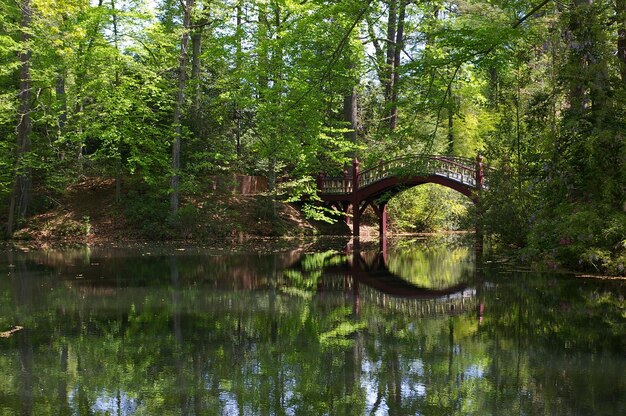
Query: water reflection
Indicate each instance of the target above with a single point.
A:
(159, 331)
(432, 263)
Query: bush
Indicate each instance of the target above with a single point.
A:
(187, 218)
(582, 236)
(149, 212)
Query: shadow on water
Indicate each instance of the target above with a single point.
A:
(418, 328)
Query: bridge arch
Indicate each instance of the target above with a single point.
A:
(356, 191)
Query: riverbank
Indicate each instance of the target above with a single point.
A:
(88, 213)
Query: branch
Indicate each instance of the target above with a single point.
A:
(407, 55)
(203, 24)
(142, 43)
(443, 101)
(518, 23)
(530, 13)
(483, 53)
(334, 56)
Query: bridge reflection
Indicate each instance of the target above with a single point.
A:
(365, 276)
(440, 284)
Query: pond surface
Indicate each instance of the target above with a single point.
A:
(423, 329)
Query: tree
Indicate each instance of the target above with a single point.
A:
(21, 192)
(178, 109)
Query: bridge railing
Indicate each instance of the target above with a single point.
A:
(459, 169)
(336, 185)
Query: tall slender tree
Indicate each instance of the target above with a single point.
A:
(620, 17)
(178, 109)
(21, 192)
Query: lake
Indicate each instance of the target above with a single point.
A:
(426, 327)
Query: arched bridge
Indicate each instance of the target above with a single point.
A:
(353, 192)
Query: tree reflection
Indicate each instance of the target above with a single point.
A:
(248, 334)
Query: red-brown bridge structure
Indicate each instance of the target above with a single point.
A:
(353, 192)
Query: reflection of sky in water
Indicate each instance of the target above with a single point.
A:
(416, 367)
(229, 402)
(371, 385)
(290, 387)
(118, 403)
(474, 371)
(412, 389)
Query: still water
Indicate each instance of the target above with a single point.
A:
(425, 328)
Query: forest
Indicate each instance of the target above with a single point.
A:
(158, 96)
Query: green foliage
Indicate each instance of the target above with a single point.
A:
(588, 237)
(187, 218)
(148, 211)
(428, 208)
(506, 208)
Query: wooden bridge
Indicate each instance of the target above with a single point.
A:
(353, 192)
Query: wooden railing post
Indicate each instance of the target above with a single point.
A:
(320, 182)
(480, 172)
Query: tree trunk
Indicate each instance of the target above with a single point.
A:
(588, 71)
(80, 85)
(197, 122)
(20, 195)
(391, 38)
(276, 69)
(61, 97)
(451, 109)
(399, 45)
(620, 11)
(180, 101)
(350, 109)
(379, 53)
(196, 50)
(578, 59)
(118, 159)
(238, 58)
(263, 53)
(350, 114)
(493, 87)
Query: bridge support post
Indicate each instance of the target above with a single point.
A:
(480, 182)
(356, 204)
(356, 220)
(382, 221)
